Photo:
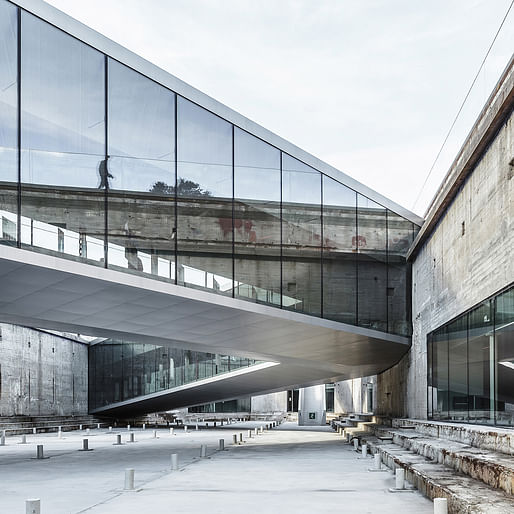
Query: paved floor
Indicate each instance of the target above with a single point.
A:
(287, 470)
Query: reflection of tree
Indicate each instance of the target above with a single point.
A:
(184, 188)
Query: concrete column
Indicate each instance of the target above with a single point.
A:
(203, 451)
(440, 506)
(39, 452)
(129, 479)
(174, 461)
(234, 439)
(312, 406)
(33, 506)
(400, 478)
(222, 445)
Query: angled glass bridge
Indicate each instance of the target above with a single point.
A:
(134, 206)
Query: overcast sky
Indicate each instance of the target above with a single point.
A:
(369, 86)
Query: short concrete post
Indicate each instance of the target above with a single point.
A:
(185, 429)
(132, 440)
(440, 506)
(128, 428)
(129, 479)
(174, 461)
(378, 461)
(234, 439)
(80, 427)
(33, 506)
(2, 438)
(118, 440)
(88, 431)
(356, 443)
(171, 431)
(255, 431)
(155, 434)
(221, 422)
(144, 426)
(241, 437)
(203, 451)
(85, 445)
(364, 450)
(222, 445)
(196, 428)
(98, 425)
(59, 433)
(34, 430)
(215, 424)
(23, 439)
(249, 434)
(400, 478)
(110, 429)
(39, 452)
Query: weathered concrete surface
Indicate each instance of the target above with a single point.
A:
(466, 259)
(289, 470)
(353, 395)
(41, 374)
(269, 403)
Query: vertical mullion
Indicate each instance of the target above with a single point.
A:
(281, 236)
(106, 157)
(387, 268)
(176, 191)
(357, 257)
(321, 249)
(18, 135)
(233, 214)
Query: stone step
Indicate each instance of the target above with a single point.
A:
(493, 468)
(435, 480)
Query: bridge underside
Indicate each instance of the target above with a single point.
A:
(49, 292)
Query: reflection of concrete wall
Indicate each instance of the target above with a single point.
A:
(312, 406)
(454, 271)
(268, 403)
(41, 374)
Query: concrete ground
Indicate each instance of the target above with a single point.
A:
(290, 469)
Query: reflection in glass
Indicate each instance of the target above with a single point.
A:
(62, 142)
(141, 174)
(504, 334)
(256, 219)
(400, 233)
(372, 264)
(458, 364)
(204, 199)
(301, 237)
(123, 370)
(8, 123)
(339, 252)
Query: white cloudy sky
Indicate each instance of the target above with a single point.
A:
(369, 86)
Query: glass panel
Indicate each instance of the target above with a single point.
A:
(440, 374)
(204, 189)
(481, 364)
(256, 219)
(8, 123)
(301, 237)
(400, 234)
(430, 382)
(458, 369)
(62, 143)
(339, 252)
(372, 264)
(504, 333)
(140, 174)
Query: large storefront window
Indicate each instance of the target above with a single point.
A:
(471, 365)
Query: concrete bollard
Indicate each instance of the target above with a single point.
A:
(364, 450)
(85, 446)
(249, 434)
(440, 506)
(356, 444)
(59, 433)
(171, 431)
(144, 426)
(110, 429)
(196, 428)
(34, 430)
(88, 431)
(128, 428)
(23, 439)
(33, 506)
(98, 426)
(261, 430)
(155, 434)
(203, 451)
(215, 424)
(132, 439)
(241, 437)
(185, 429)
(2, 439)
(221, 422)
(39, 452)
(174, 461)
(378, 461)
(400, 478)
(80, 427)
(222, 445)
(255, 431)
(129, 479)
(234, 439)
(118, 440)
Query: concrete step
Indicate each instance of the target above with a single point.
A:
(435, 480)
(493, 468)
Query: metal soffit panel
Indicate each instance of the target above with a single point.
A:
(49, 292)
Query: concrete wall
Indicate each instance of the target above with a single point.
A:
(454, 271)
(268, 403)
(352, 395)
(41, 373)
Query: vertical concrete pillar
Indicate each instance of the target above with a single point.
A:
(129, 479)
(144, 426)
(378, 461)
(155, 434)
(203, 451)
(440, 506)
(98, 425)
(312, 406)
(39, 452)
(222, 445)
(118, 440)
(364, 450)
(356, 443)
(132, 440)
(2, 438)
(33, 506)
(400, 478)
(174, 461)
(234, 439)
(23, 439)
(241, 437)
(34, 430)
(171, 431)
(85, 445)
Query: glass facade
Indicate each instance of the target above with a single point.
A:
(123, 370)
(100, 164)
(471, 365)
